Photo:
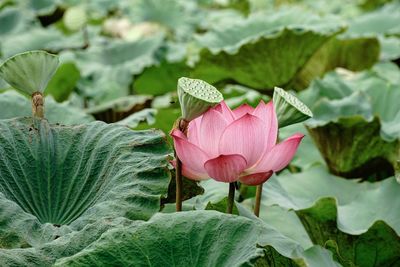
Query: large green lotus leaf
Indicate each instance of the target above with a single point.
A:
(241, 51)
(383, 23)
(349, 218)
(82, 173)
(355, 54)
(184, 239)
(29, 72)
(379, 246)
(359, 205)
(344, 216)
(353, 113)
(286, 222)
(15, 105)
(130, 186)
(317, 225)
(340, 144)
(24, 241)
(198, 238)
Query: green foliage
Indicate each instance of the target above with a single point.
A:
(193, 238)
(355, 54)
(74, 192)
(63, 82)
(29, 72)
(70, 186)
(379, 246)
(41, 182)
(241, 51)
(353, 113)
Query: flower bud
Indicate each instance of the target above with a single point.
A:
(196, 97)
(289, 109)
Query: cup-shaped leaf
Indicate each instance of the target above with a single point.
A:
(196, 97)
(29, 72)
(289, 109)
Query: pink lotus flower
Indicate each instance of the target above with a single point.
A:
(234, 145)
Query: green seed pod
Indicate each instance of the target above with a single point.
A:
(289, 109)
(196, 97)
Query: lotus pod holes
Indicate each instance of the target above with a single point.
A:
(196, 96)
(289, 109)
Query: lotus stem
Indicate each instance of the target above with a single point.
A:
(38, 105)
(231, 198)
(182, 125)
(258, 200)
(178, 182)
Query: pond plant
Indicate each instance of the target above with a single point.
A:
(284, 148)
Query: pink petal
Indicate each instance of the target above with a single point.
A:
(191, 174)
(193, 131)
(244, 137)
(211, 128)
(225, 111)
(280, 155)
(241, 110)
(256, 178)
(225, 168)
(192, 156)
(266, 112)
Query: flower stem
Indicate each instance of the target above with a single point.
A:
(258, 200)
(38, 105)
(182, 125)
(231, 198)
(178, 182)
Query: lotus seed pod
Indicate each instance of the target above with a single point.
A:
(196, 97)
(289, 109)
